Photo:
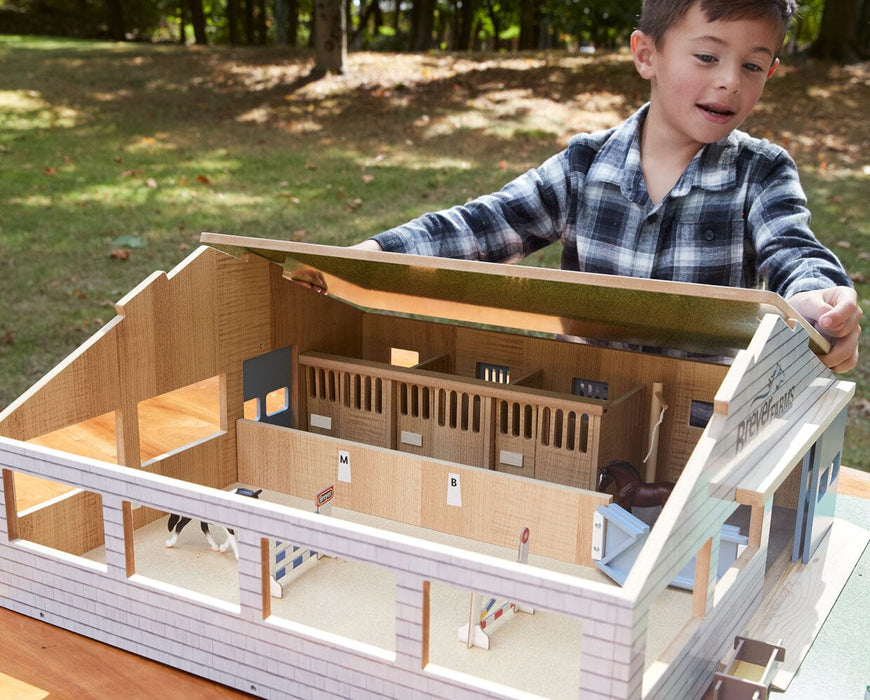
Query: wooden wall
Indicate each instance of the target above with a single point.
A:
(413, 490)
(73, 523)
(561, 361)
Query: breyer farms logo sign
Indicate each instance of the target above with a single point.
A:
(773, 401)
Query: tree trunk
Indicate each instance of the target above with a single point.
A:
(249, 22)
(464, 43)
(281, 22)
(182, 21)
(292, 23)
(423, 21)
(330, 29)
(233, 21)
(377, 17)
(496, 28)
(863, 37)
(116, 20)
(197, 19)
(396, 15)
(261, 22)
(355, 40)
(838, 34)
(530, 28)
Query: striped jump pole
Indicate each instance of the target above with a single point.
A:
(286, 557)
(481, 615)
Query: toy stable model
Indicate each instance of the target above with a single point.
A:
(445, 408)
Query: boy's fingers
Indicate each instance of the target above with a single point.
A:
(843, 355)
(834, 311)
(842, 319)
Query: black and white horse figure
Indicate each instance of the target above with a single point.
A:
(178, 522)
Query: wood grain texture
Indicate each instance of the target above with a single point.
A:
(692, 317)
(799, 605)
(413, 490)
(38, 660)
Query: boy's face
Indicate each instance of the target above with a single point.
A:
(706, 76)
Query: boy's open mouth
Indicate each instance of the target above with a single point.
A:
(716, 111)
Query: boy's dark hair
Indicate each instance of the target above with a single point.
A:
(658, 16)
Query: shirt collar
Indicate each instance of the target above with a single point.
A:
(618, 162)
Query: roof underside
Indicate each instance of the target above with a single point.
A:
(694, 318)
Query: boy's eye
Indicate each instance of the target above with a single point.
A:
(705, 57)
(753, 67)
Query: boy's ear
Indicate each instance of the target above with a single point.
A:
(773, 67)
(643, 51)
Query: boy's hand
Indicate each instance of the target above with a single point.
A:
(835, 313)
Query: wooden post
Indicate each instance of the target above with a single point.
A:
(657, 405)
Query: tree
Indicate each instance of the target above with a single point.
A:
(292, 22)
(422, 24)
(116, 20)
(233, 21)
(197, 20)
(863, 38)
(371, 12)
(330, 32)
(249, 21)
(838, 34)
(465, 22)
(261, 22)
(530, 25)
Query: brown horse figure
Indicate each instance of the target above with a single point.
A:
(630, 487)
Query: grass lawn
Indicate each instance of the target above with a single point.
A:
(114, 158)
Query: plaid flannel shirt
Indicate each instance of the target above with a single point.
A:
(736, 216)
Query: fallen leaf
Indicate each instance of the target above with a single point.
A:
(844, 244)
(203, 180)
(355, 203)
(120, 254)
(49, 171)
(152, 183)
(367, 178)
(8, 339)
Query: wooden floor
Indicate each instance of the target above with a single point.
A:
(38, 660)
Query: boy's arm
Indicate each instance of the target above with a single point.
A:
(835, 313)
(368, 244)
(524, 216)
(796, 265)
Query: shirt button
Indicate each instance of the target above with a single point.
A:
(652, 218)
(709, 234)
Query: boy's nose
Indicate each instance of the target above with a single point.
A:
(728, 79)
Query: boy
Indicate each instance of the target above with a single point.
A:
(675, 192)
